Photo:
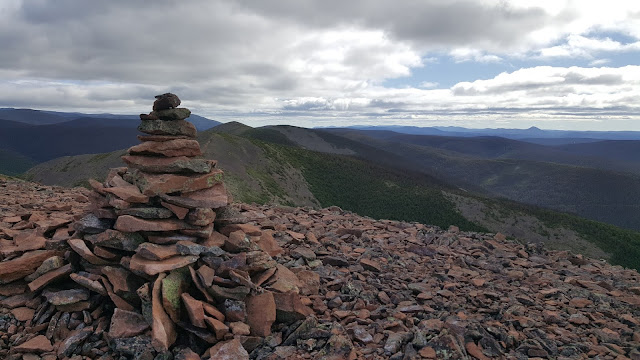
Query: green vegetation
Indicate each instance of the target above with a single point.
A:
(98, 157)
(371, 190)
(268, 135)
(262, 167)
(267, 182)
(622, 244)
(12, 163)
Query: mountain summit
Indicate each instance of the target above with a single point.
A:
(154, 262)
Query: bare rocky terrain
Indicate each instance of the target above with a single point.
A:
(157, 263)
(376, 289)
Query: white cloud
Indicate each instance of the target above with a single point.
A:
(598, 62)
(311, 58)
(581, 46)
(467, 54)
(428, 84)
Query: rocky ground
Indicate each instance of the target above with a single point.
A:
(378, 289)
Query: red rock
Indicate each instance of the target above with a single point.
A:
(261, 313)
(156, 252)
(234, 310)
(24, 265)
(151, 267)
(30, 241)
(475, 351)
(97, 186)
(213, 197)
(199, 285)
(370, 265)
(126, 324)
(119, 302)
(171, 148)
(194, 309)
(229, 350)
(213, 311)
(53, 223)
(260, 278)
(39, 344)
(62, 233)
(206, 275)
(15, 301)
(186, 354)
(309, 282)
(579, 319)
(129, 193)
(14, 288)
(156, 184)
(179, 211)
(202, 232)
(120, 279)
(268, 244)
(289, 308)
(296, 235)
(92, 285)
(201, 216)
(80, 247)
(180, 164)
(239, 328)
(218, 327)
(238, 242)
(427, 352)
(580, 302)
(105, 254)
(284, 280)
(215, 239)
(22, 313)
(248, 229)
(66, 297)
(128, 223)
(163, 332)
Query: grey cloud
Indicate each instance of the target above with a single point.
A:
(315, 104)
(427, 22)
(604, 79)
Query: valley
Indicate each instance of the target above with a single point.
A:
(479, 187)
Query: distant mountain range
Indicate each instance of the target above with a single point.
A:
(30, 136)
(532, 134)
(417, 179)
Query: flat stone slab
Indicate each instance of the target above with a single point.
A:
(171, 148)
(160, 127)
(213, 197)
(24, 265)
(130, 224)
(180, 164)
(154, 267)
(157, 184)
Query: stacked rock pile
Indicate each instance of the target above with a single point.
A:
(173, 272)
(380, 290)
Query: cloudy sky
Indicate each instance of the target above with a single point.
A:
(478, 63)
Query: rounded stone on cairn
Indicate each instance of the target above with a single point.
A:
(166, 101)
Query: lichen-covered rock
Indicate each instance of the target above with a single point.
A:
(160, 127)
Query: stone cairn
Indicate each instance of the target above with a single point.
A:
(158, 245)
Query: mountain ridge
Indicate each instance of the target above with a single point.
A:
(271, 172)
